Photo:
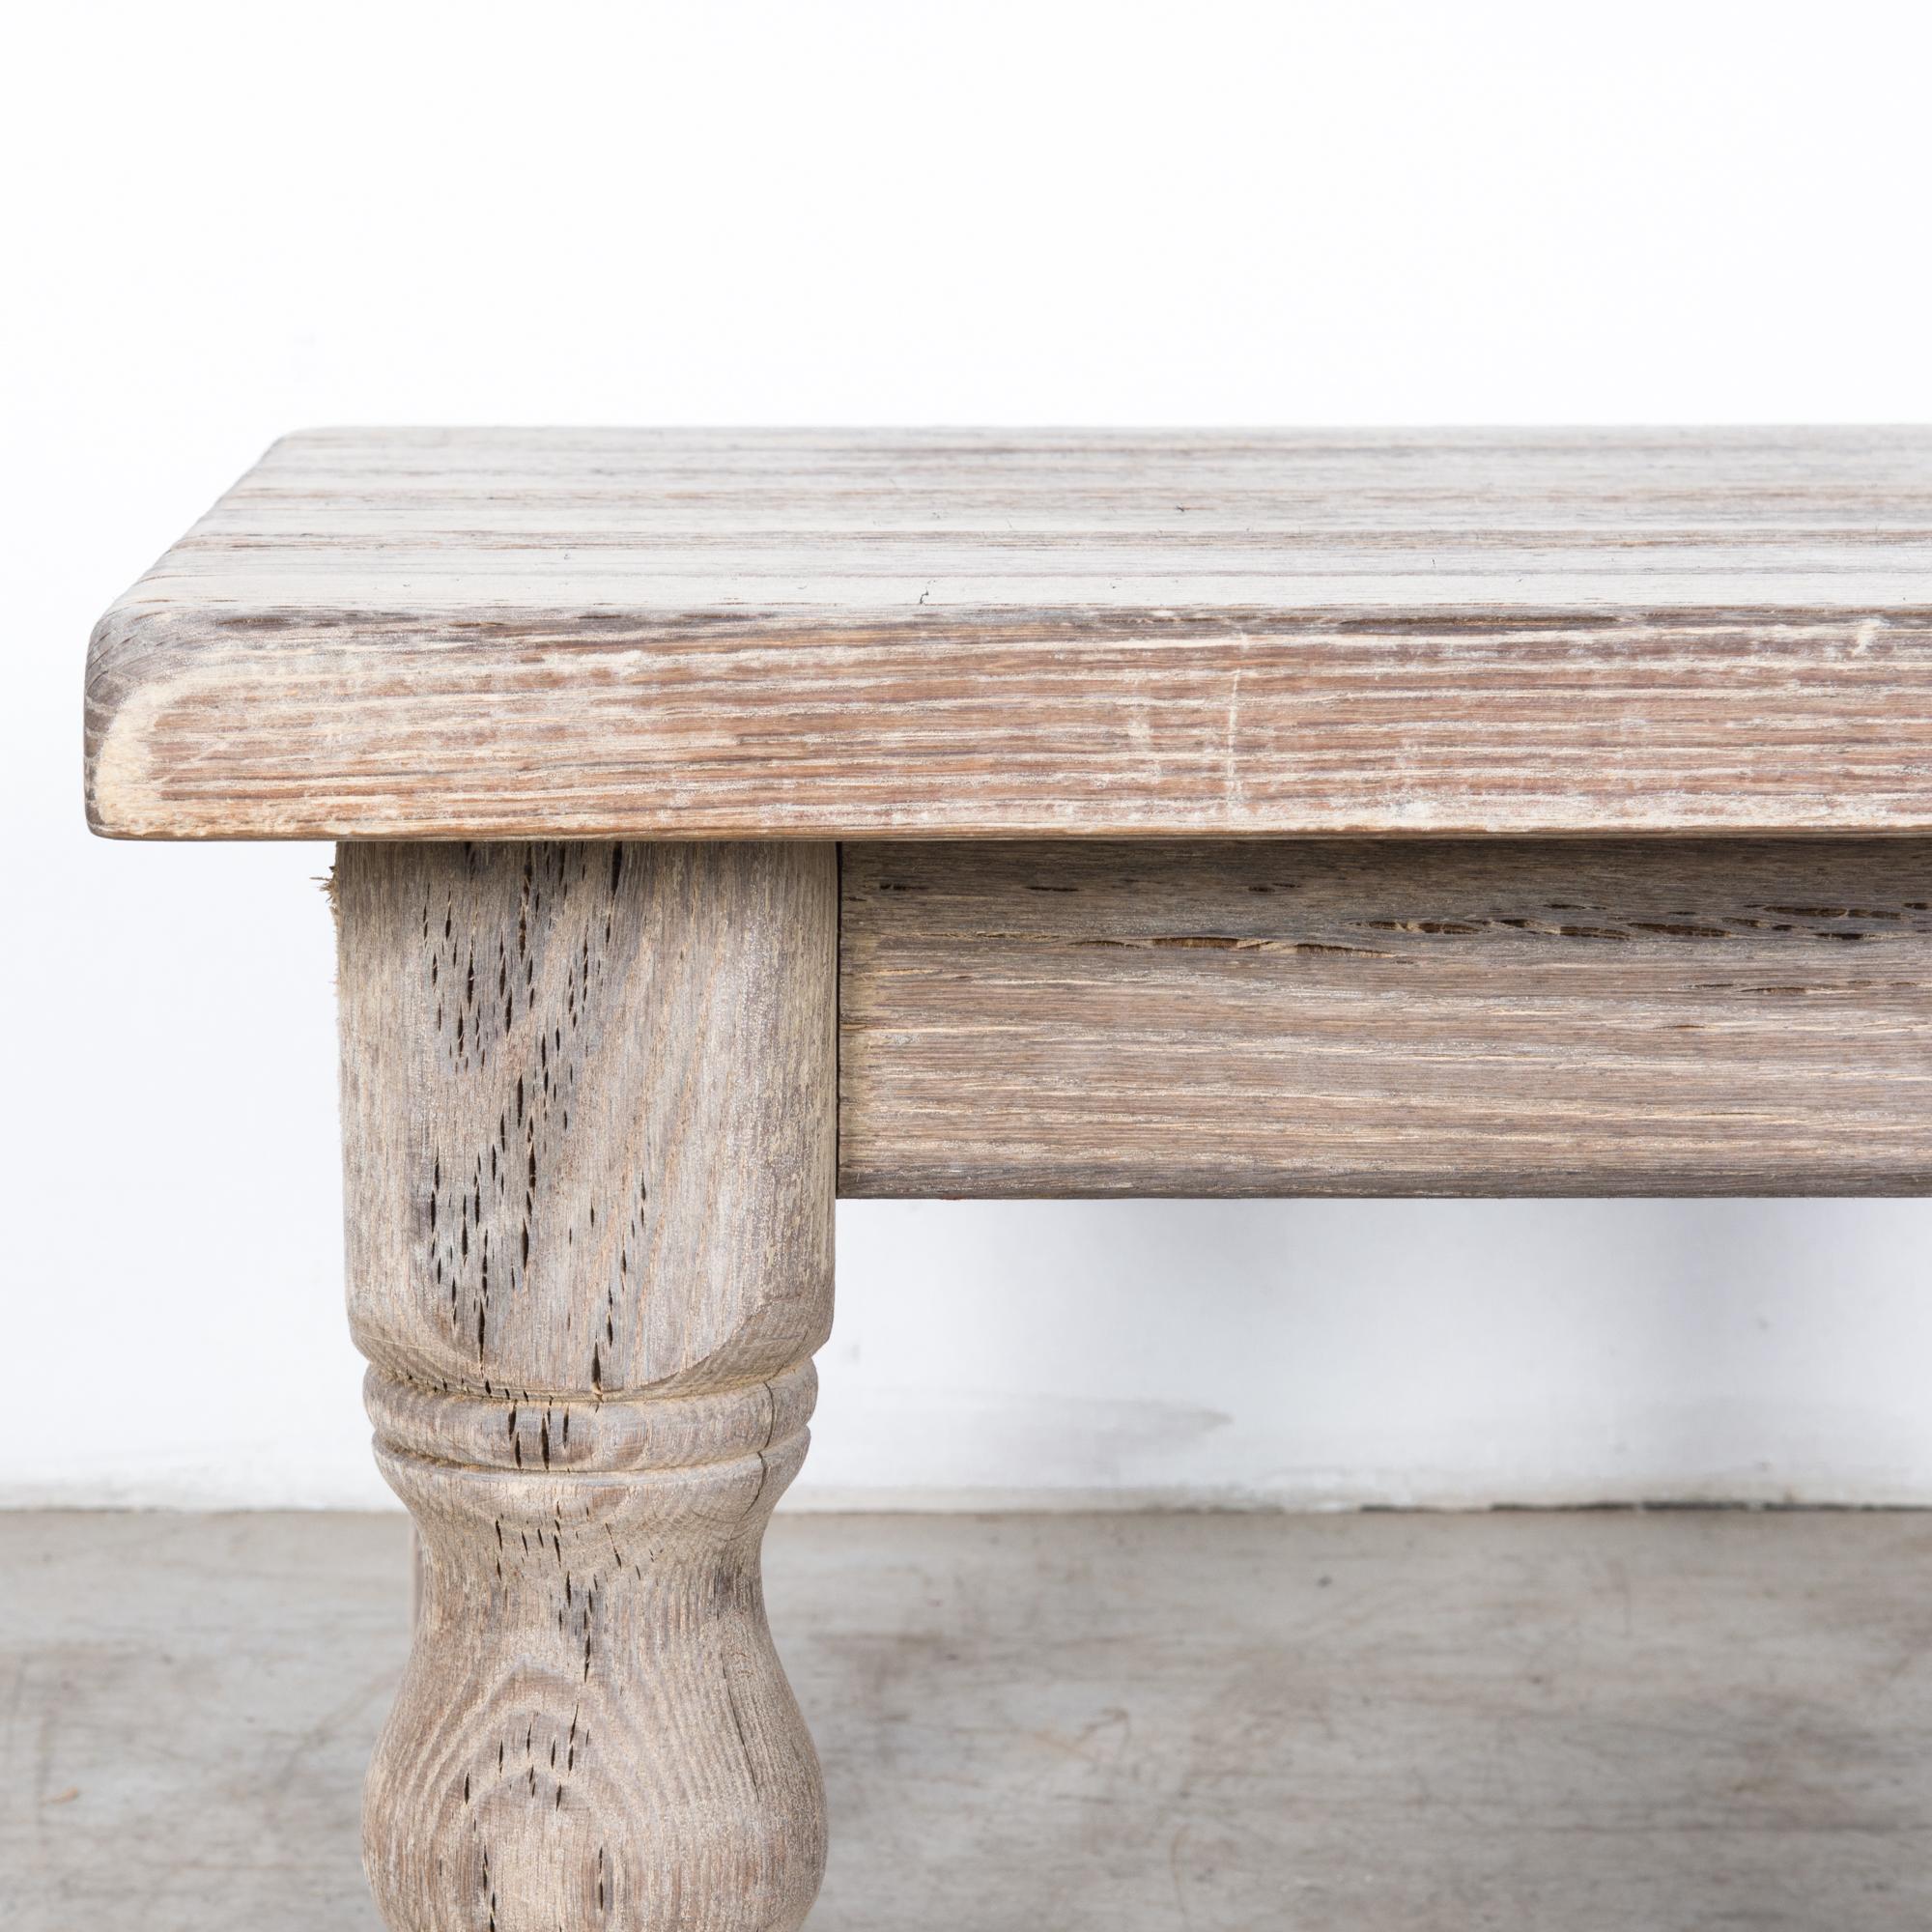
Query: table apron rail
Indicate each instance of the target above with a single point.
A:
(1387, 1017)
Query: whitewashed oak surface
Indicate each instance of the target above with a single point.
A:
(594, 1107)
(587, 1099)
(1391, 1016)
(681, 633)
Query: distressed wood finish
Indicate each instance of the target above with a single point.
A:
(587, 1099)
(582, 633)
(1238, 690)
(1391, 1017)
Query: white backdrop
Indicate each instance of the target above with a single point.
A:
(225, 221)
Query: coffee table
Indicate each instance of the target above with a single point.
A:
(732, 819)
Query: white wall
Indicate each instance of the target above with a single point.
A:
(225, 220)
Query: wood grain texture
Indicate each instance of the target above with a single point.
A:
(1387, 1017)
(588, 1116)
(682, 634)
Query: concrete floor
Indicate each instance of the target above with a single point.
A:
(1562, 1723)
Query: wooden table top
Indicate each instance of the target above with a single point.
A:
(442, 633)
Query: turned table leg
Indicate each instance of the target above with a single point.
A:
(588, 1117)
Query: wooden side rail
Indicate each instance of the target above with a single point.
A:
(1387, 1017)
